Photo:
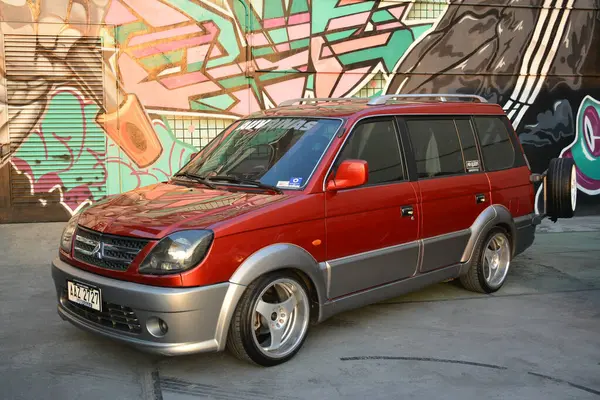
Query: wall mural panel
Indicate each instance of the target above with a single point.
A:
(585, 148)
(177, 72)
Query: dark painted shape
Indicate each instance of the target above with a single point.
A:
(440, 360)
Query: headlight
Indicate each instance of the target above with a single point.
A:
(177, 252)
(67, 235)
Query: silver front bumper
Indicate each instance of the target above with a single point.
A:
(192, 314)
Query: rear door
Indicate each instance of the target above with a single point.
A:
(505, 165)
(453, 187)
(369, 240)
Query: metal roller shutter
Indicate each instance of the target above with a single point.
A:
(35, 67)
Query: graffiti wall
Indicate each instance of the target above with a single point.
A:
(98, 97)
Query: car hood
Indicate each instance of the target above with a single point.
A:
(155, 211)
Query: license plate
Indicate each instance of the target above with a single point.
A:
(85, 295)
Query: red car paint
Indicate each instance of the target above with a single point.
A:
(246, 221)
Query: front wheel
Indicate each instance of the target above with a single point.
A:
(271, 320)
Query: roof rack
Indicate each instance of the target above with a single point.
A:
(381, 100)
(321, 99)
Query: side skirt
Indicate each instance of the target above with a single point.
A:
(386, 292)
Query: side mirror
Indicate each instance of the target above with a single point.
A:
(350, 173)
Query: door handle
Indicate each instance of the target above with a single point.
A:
(407, 211)
(480, 198)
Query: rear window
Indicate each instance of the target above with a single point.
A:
(497, 148)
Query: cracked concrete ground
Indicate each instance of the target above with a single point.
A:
(538, 337)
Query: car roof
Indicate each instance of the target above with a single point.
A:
(383, 105)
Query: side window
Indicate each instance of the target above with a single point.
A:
(436, 147)
(469, 146)
(376, 142)
(497, 149)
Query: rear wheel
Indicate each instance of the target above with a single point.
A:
(491, 262)
(271, 320)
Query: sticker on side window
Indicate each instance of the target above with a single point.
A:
(472, 165)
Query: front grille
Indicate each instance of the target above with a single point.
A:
(112, 315)
(106, 251)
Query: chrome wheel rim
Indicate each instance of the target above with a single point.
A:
(573, 188)
(496, 260)
(280, 318)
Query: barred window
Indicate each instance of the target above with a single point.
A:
(197, 131)
(427, 9)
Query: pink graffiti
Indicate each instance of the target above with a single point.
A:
(204, 47)
(211, 32)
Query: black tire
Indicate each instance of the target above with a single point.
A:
(240, 339)
(474, 279)
(559, 185)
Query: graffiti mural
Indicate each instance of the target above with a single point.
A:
(233, 60)
(99, 97)
(585, 149)
(536, 60)
(44, 146)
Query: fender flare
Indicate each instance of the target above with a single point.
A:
(268, 259)
(494, 215)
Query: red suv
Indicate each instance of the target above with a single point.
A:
(303, 211)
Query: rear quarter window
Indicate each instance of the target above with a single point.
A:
(499, 148)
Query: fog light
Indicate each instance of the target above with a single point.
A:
(163, 326)
(157, 327)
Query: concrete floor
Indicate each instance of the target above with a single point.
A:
(539, 337)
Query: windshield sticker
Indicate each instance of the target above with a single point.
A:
(292, 183)
(295, 182)
(472, 165)
(278, 123)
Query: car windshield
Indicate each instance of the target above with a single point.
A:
(280, 152)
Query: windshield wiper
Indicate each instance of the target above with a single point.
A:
(197, 178)
(252, 182)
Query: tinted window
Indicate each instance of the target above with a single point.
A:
(496, 147)
(276, 151)
(436, 147)
(376, 143)
(469, 147)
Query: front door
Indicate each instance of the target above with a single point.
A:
(453, 186)
(372, 235)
